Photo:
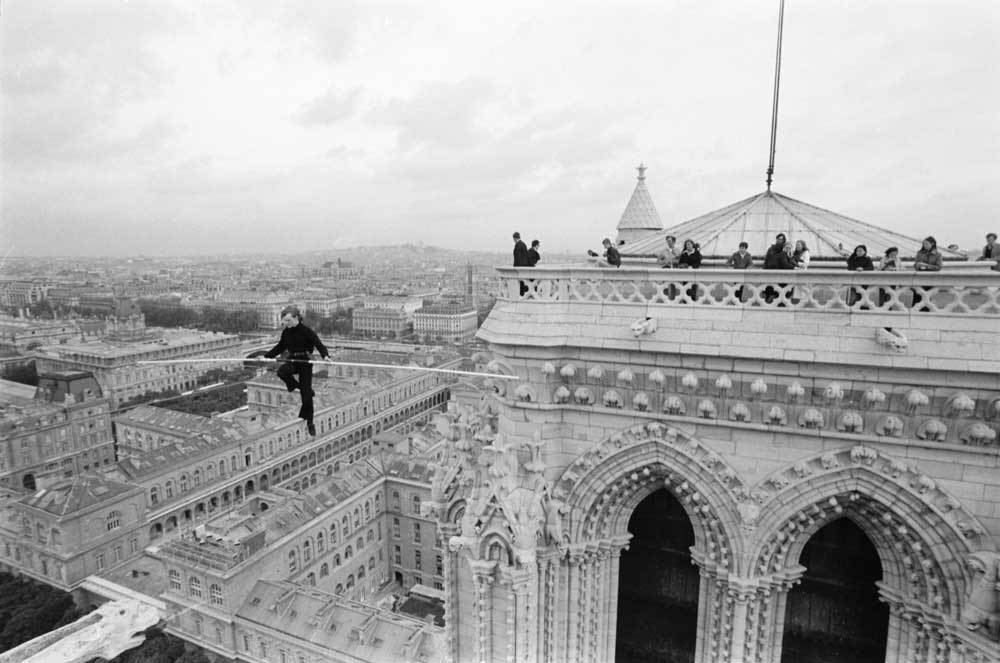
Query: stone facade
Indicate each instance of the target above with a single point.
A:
(765, 419)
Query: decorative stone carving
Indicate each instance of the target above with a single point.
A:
(924, 484)
(862, 454)
(640, 402)
(548, 369)
(802, 470)
(873, 397)
(961, 405)
(494, 367)
(777, 482)
(776, 416)
(758, 388)
(895, 468)
(523, 393)
(795, 391)
(981, 610)
(978, 434)
(561, 394)
(643, 327)
(829, 461)
(612, 398)
(626, 376)
(706, 409)
(811, 418)
(889, 426)
(723, 383)
(834, 392)
(689, 381)
(657, 377)
(850, 422)
(915, 399)
(674, 405)
(892, 339)
(583, 396)
(595, 373)
(739, 412)
(932, 429)
(567, 371)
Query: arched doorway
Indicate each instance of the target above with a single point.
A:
(28, 481)
(658, 585)
(835, 614)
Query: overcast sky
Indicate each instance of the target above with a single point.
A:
(180, 128)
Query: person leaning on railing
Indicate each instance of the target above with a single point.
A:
(690, 258)
(858, 261)
(890, 263)
(928, 260)
(991, 251)
(741, 260)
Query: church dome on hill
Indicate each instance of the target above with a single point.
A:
(757, 219)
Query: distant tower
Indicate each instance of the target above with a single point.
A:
(640, 218)
(470, 291)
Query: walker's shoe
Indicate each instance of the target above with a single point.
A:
(292, 387)
(311, 428)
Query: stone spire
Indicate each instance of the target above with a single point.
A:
(640, 218)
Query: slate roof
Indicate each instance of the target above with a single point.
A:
(640, 213)
(757, 219)
(76, 494)
(350, 628)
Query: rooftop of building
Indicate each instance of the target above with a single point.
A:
(447, 307)
(157, 340)
(350, 628)
(759, 218)
(216, 431)
(69, 496)
(640, 212)
(161, 459)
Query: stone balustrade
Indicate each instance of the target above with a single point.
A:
(965, 292)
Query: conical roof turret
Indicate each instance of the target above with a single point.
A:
(640, 218)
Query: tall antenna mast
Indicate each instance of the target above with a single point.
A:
(774, 107)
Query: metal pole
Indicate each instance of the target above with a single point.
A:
(774, 107)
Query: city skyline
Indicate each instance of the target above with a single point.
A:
(177, 129)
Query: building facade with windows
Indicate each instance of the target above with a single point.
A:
(449, 322)
(63, 429)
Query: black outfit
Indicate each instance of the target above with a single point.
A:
(613, 257)
(521, 260)
(854, 263)
(774, 253)
(520, 254)
(691, 260)
(533, 257)
(299, 342)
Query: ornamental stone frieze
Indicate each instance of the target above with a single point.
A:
(884, 410)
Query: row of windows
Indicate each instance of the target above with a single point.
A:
(194, 589)
(418, 560)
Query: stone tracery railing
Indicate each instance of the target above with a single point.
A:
(958, 293)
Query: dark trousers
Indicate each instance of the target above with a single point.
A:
(288, 372)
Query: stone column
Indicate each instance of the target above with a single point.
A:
(548, 590)
(483, 580)
(576, 604)
(451, 598)
(769, 611)
(524, 609)
(611, 600)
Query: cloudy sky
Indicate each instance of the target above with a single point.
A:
(180, 128)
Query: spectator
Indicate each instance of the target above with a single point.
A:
(928, 257)
(520, 252)
(611, 256)
(890, 263)
(533, 255)
(521, 258)
(991, 251)
(670, 255)
(858, 261)
(690, 256)
(742, 258)
(928, 260)
(771, 259)
(801, 255)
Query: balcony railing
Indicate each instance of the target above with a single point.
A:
(967, 292)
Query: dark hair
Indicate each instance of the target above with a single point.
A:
(293, 310)
(859, 246)
(993, 235)
(693, 245)
(517, 235)
(805, 247)
(605, 241)
(930, 238)
(669, 237)
(891, 249)
(534, 243)
(781, 235)
(744, 245)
